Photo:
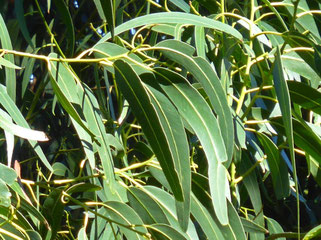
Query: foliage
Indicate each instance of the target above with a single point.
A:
(160, 120)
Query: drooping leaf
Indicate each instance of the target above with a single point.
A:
(67, 20)
(306, 96)
(135, 93)
(181, 4)
(147, 208)
(163, 231)
(108, 8)
(175, 133)
(194, 109)
(19, 131)
(18, 6)
(10, 72)
(8, 64)
(205, 220)
(250, 226)
(8, 104)
(122, 213)
(274, 227)
(64, 93)
(204, 74)
(277, 166)
(167, 203)
(53, 209)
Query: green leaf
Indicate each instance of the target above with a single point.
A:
(283, 97)
(296, 39)
(314, 168)
(205, 220)
(90, 107)
(82, 234)
(122, 213)
(16, 115)
(10, 72)
(146, 207)
(163, 231)
(313, 233)
(192, 106)
(203, 72)
(108, 49)
(19, 131)
(108, 9)
(135, 93)
(296, 64)
(53, 211)
(18, 7)
(82, 187)
(67, 20)
(64, 93)
(33, 235)
(304, 137)
(274, 227)
(7, 174)
(27, 207)
(252, 187)
(200, 41)
(235, 224)
(306, 96)
(176, 136)
(181, 4)
(9, 138)
(60, 169)
(19, 218)
(277, 166)
(6, 63)
(5, 194)
(176, 18)
(250, 226)
(167, 202)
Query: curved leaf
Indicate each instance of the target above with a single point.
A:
(194, 109)
(306, 96)
(132, 88)
(8, 104)
(277, 166)
(175, 133)
(160, 231)
(122, 213)
(176, 18)
(203, 72)
(146, 207)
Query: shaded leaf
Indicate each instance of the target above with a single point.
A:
(194, 109)
(277, 166)
(135, 93)
(10, 72)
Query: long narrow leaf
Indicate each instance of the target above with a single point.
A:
(175, 133)
(283, 96)
(10, 73)
(195, 110)
(16, 115)
(277, 166)
(176, 18)
(135, 93)
(182, 53)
